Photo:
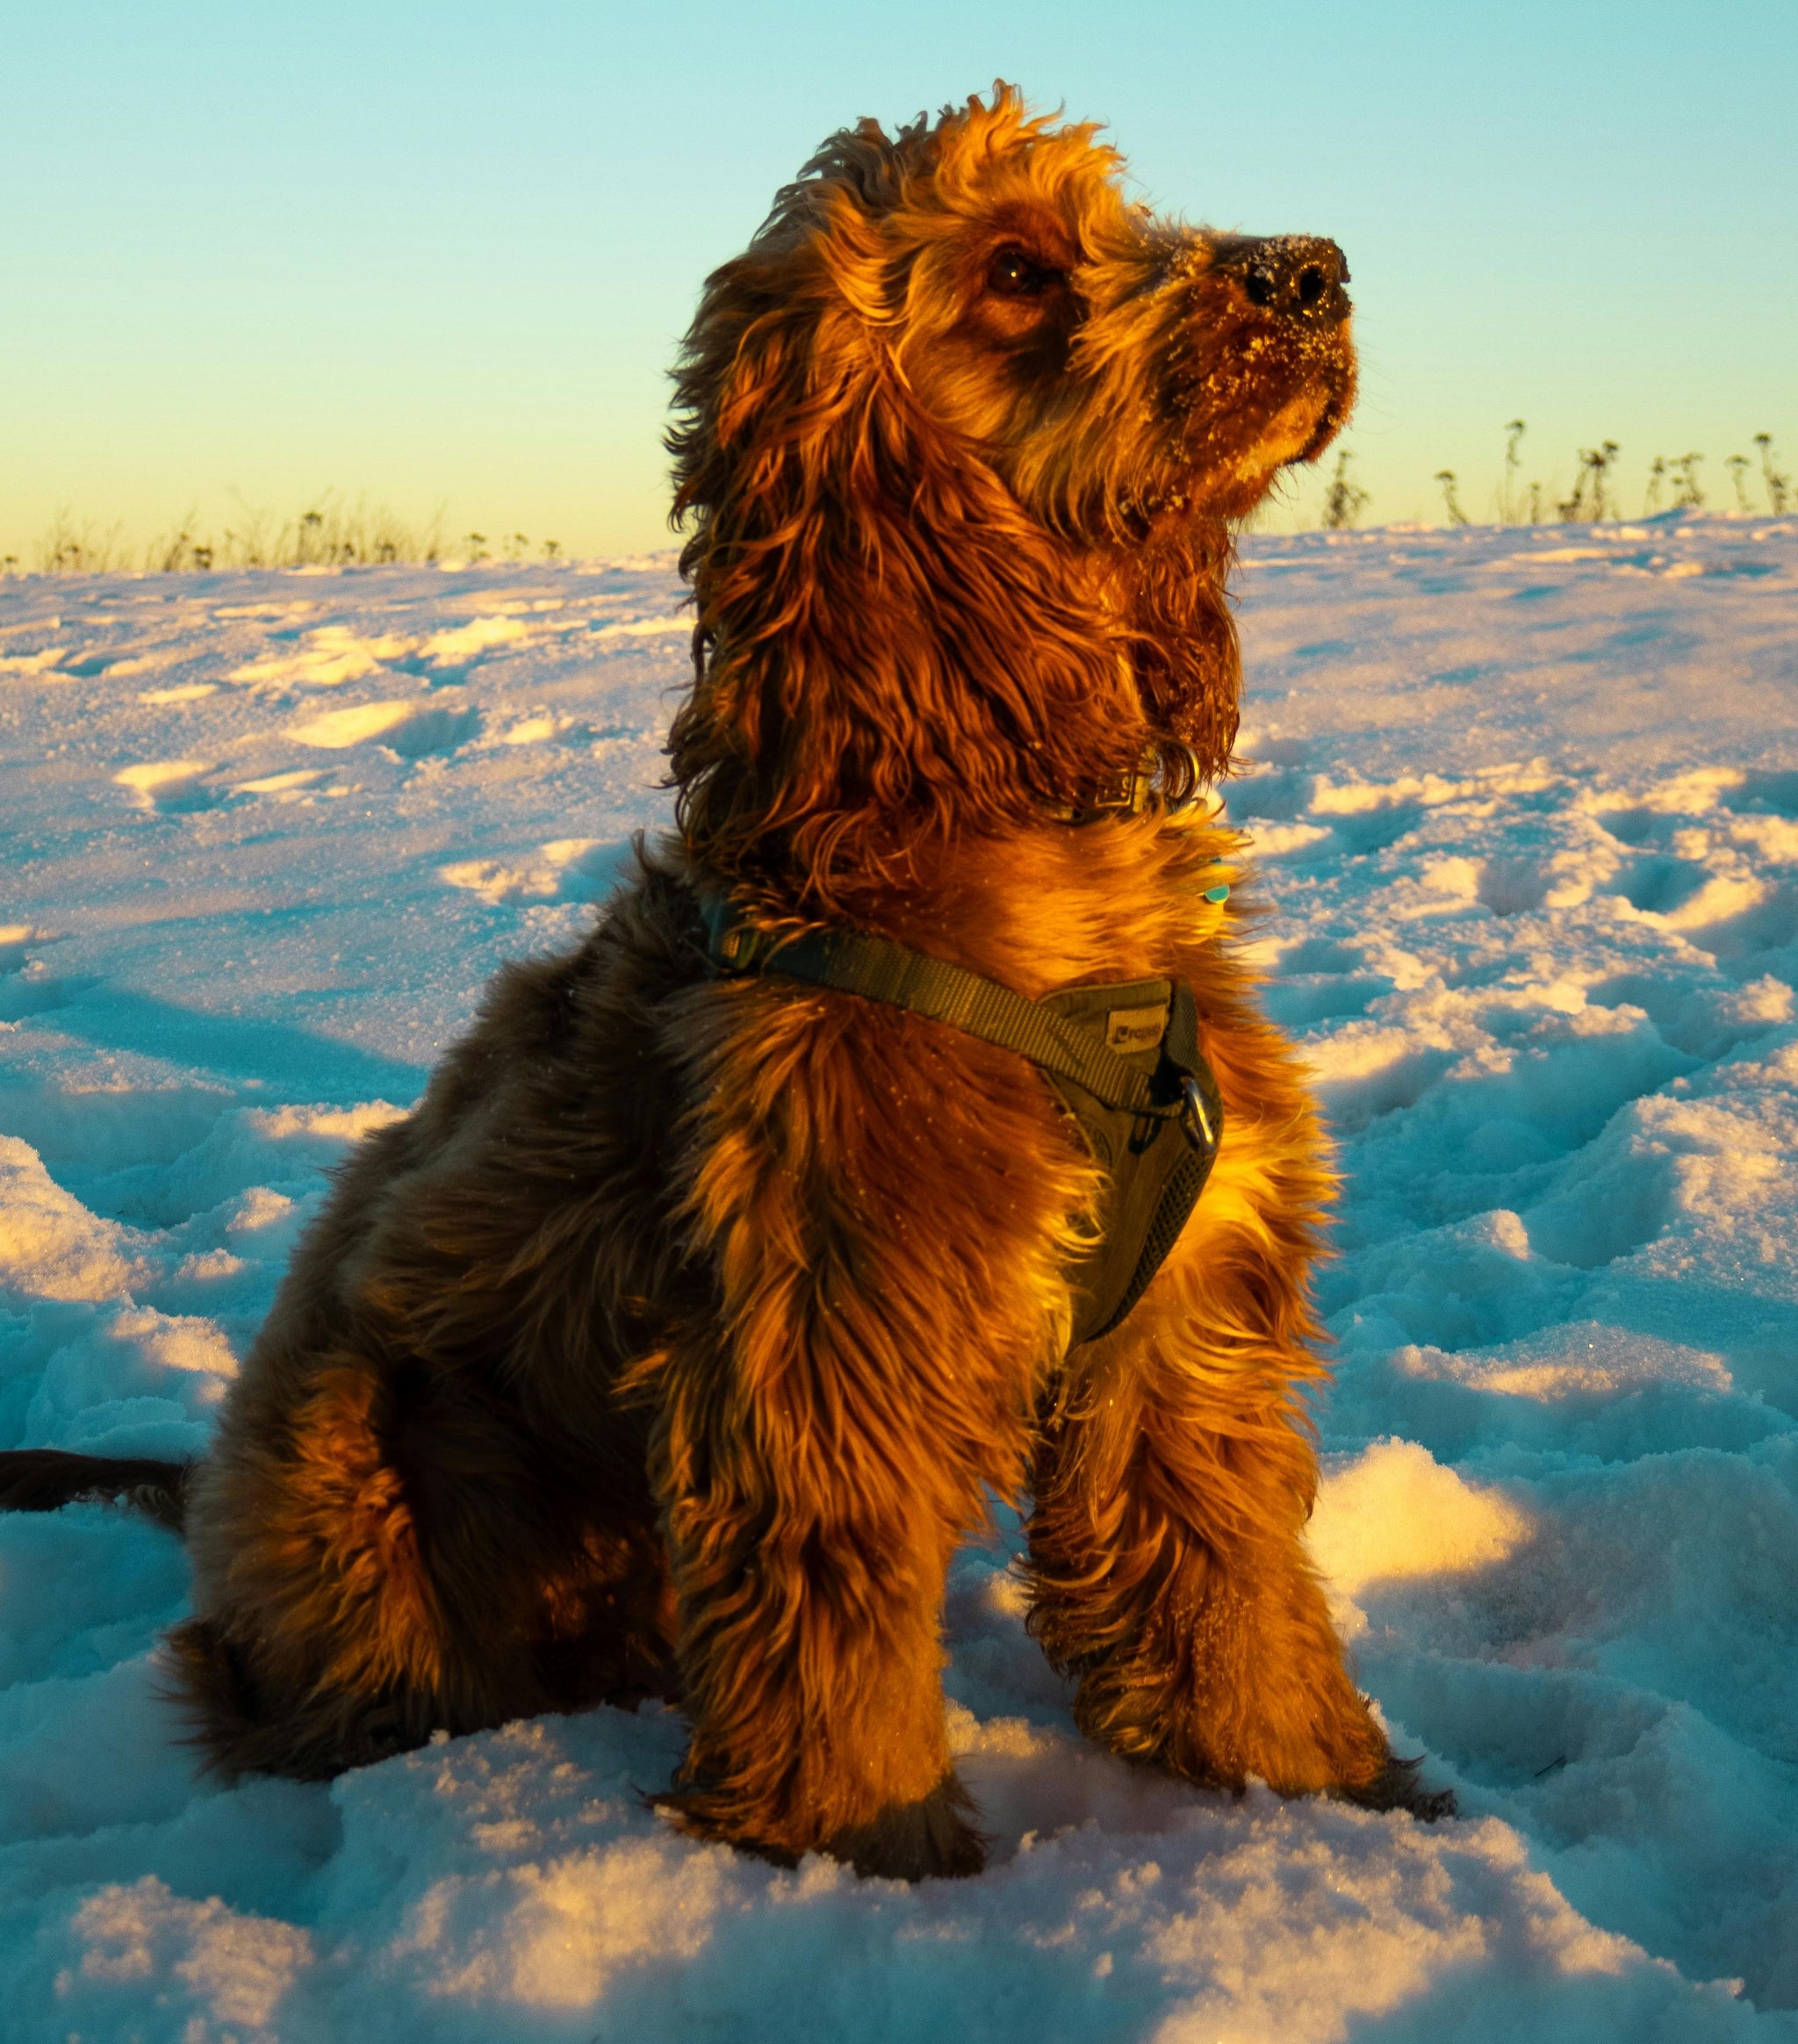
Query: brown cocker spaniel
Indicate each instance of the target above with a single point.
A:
(672, 1343)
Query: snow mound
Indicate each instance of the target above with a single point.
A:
(1394, 1511)
(50, 1247)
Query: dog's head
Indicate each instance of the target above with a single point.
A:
(962, 435)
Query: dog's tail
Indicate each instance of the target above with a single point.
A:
(38, 1479)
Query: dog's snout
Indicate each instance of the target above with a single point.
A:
(1301, 276)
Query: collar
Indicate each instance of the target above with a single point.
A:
(1133, 793)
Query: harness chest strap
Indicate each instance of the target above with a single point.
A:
(1129, 1115)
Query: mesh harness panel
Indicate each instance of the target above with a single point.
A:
(1124, 1059)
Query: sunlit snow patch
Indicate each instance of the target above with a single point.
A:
(567, 868)
(51, 1245)
(164, 783)
(1581, 1359)
(345, 1124)
(182, 692)
(1395, 1511)
(286, 783)
(331, 655)
(409, 727)
(234, 1969)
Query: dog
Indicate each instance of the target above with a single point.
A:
(672, 1345)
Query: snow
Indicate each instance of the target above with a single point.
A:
(1525, 810)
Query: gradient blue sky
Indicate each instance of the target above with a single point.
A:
(442, 254)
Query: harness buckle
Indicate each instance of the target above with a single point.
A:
(734, 946)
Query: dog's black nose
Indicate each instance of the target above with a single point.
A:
(1299, 275)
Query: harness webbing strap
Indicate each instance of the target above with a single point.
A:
(901, 978)
(1154, 1134)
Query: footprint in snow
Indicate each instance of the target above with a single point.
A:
(1660, 886)
(1513, 886)
(1760, 793)
(288, 786)
(1741, 923)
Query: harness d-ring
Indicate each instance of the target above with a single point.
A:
(1195, 1123)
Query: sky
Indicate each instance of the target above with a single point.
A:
(439, 257)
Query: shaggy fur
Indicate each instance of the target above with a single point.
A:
(671, 1345)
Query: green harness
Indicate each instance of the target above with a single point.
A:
(1124, 1059)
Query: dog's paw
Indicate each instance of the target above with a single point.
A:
(932, 1839)
(1398, 1786)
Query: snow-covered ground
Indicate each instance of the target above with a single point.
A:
(1527, 812)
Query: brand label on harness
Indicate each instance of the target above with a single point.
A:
(1128, 1029)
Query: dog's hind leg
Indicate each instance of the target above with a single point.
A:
(41, 1480)
(317, 1642)
(399, 1558)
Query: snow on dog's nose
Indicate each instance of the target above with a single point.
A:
(1300, 276)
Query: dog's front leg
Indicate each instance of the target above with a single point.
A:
(881, 1202)
(811, 1657)
(1172, 1492)
(1170, 1575)
(1173, 1481)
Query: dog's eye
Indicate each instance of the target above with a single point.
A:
(1013, 274)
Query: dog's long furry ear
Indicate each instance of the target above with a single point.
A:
(888, 649)
(1184, 643)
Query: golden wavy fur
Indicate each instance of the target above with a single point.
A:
(674, 1343)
